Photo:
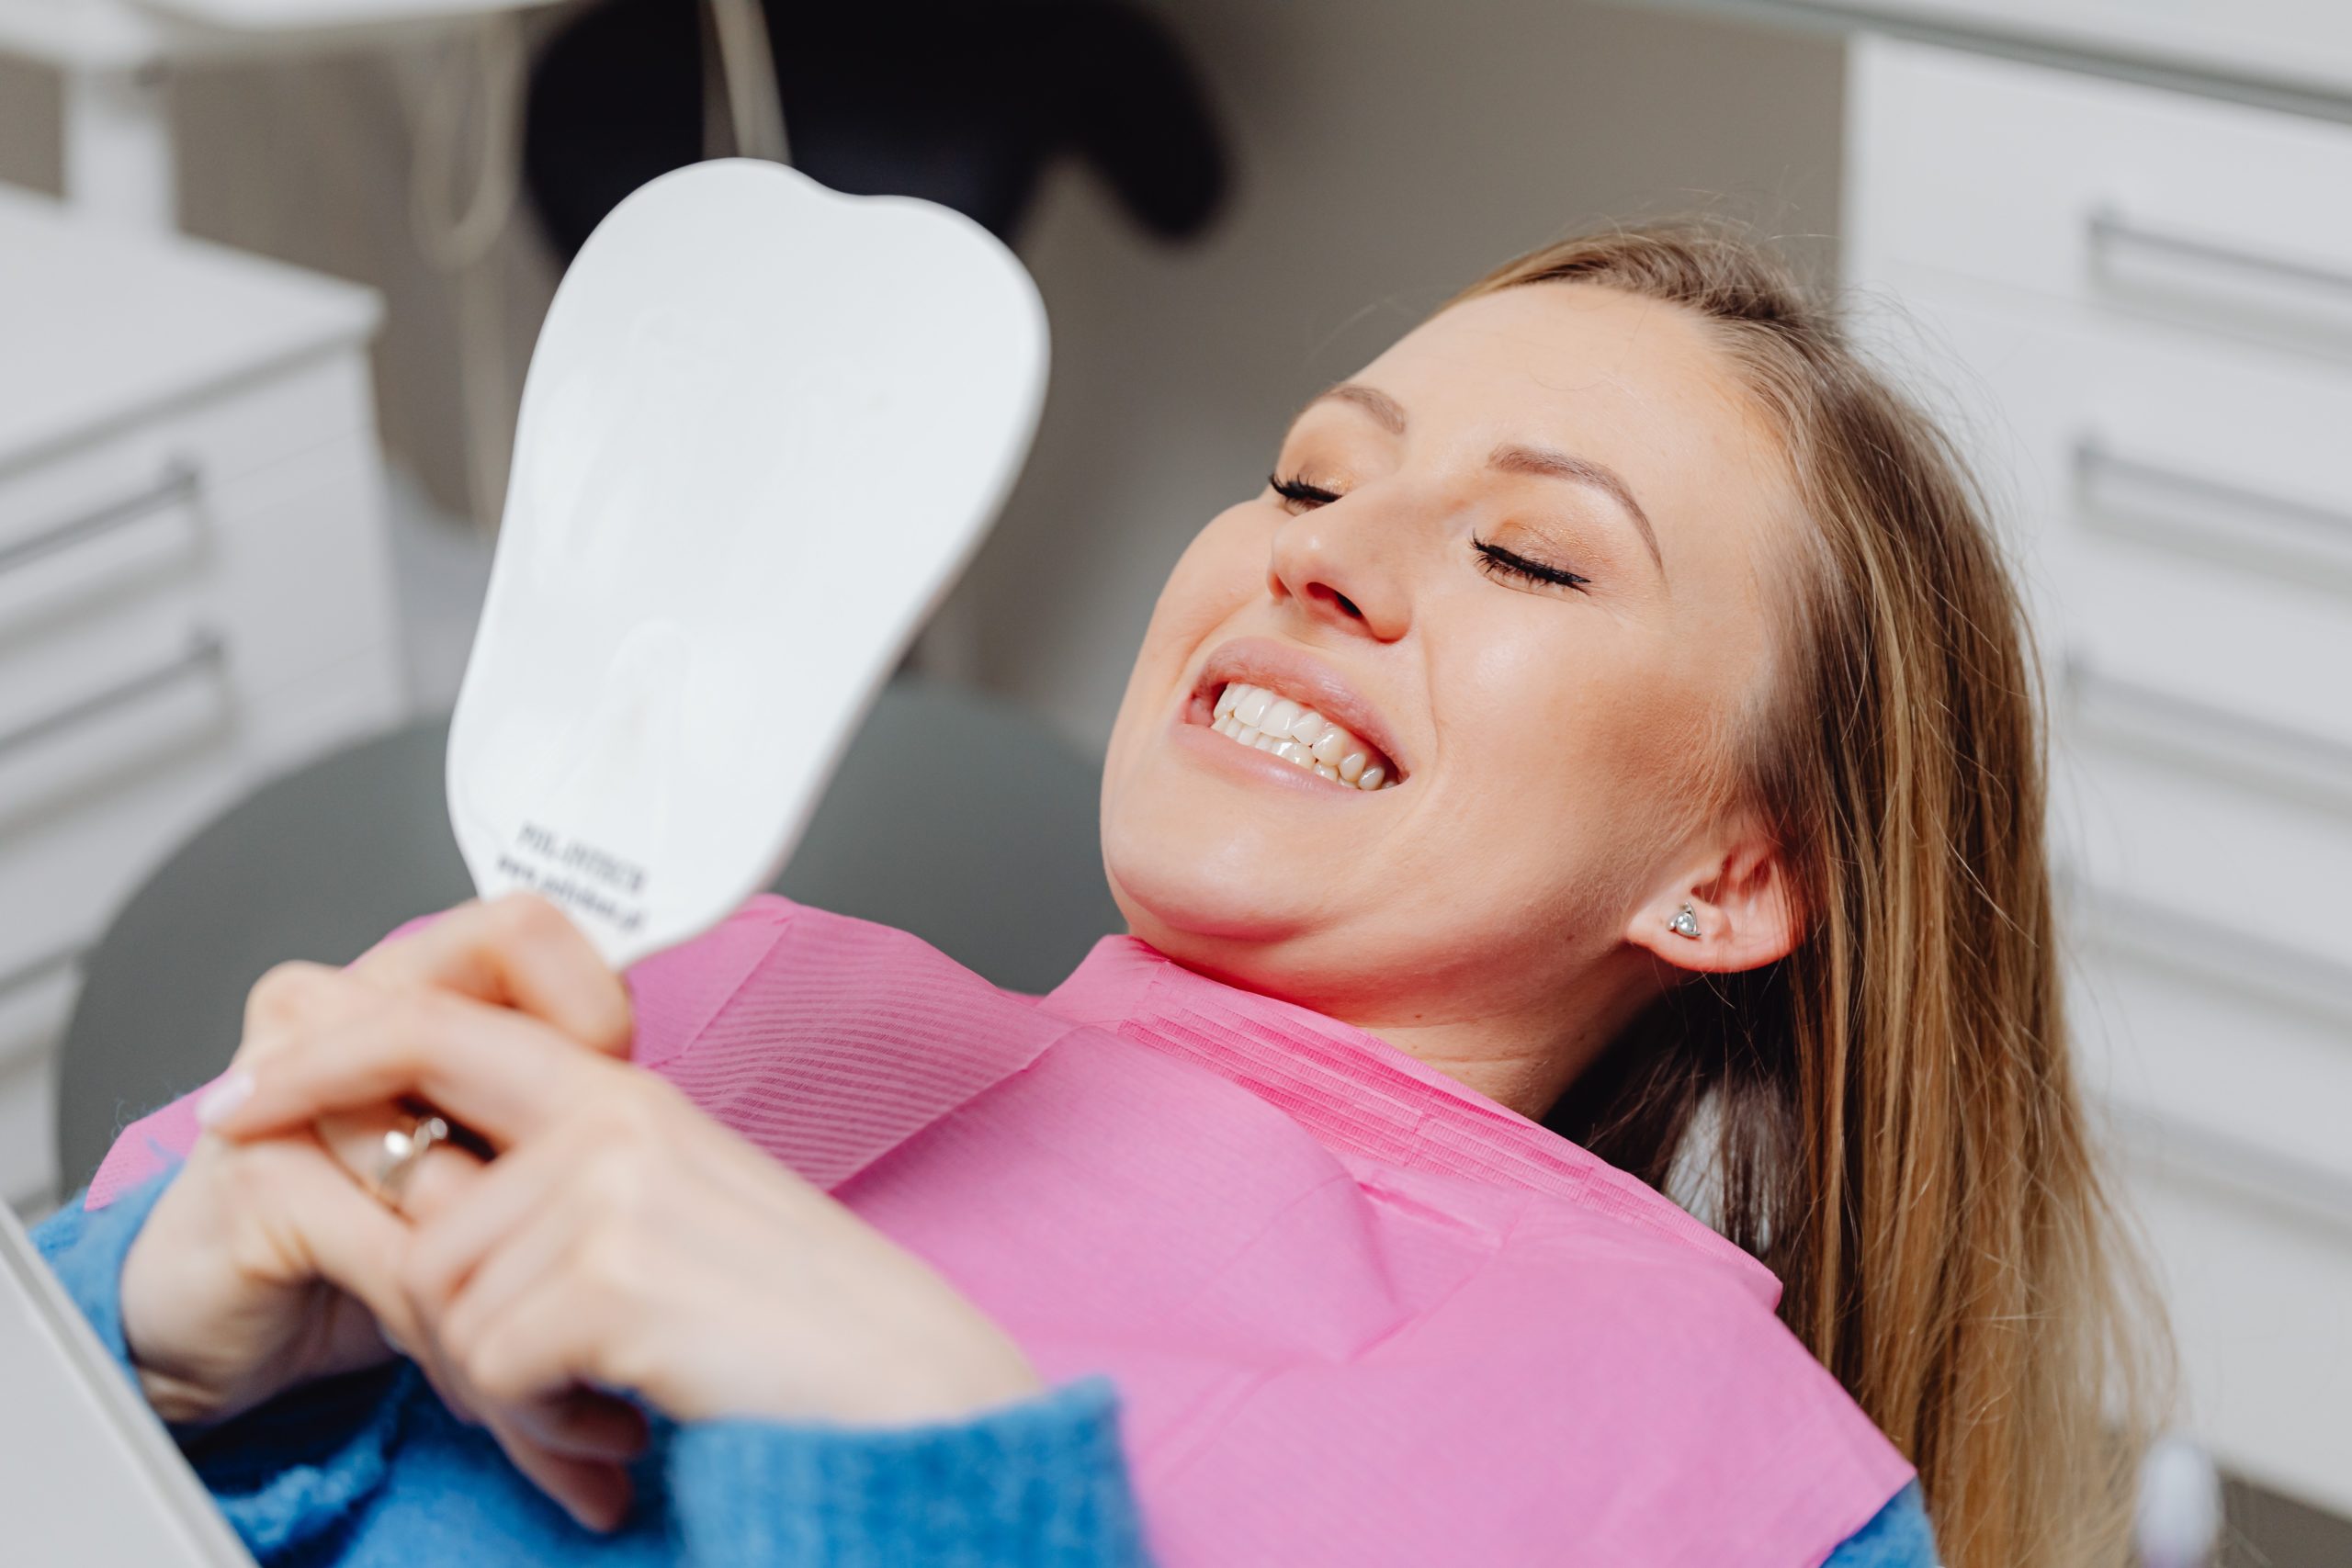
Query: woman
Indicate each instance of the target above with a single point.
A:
(1609, 734)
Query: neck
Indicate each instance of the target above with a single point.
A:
(1523, 1059)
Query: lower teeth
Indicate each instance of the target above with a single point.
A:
(1351, 769)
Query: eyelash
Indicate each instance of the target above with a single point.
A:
(1492, 559)
(1298, 492)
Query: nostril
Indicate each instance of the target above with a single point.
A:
(1346, 605)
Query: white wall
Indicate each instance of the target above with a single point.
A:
(1388, 151)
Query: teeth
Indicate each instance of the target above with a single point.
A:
(1258, 718)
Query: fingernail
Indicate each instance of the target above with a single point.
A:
(232, 1091)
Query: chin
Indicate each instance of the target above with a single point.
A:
(1180, 903)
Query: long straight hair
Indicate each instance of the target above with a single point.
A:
(1888, 1117)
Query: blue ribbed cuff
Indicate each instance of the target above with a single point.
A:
(84, 1248)
(1042, 1483)
(279, 1474)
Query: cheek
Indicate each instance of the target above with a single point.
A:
(1222, 571)
(1567, 744)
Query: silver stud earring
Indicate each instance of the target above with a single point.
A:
(1684, 923)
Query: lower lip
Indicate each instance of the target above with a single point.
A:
(1247, 763)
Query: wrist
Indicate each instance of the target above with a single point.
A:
(981, 1375)
(173, 1389)
(947, 1376)
(177, 1399)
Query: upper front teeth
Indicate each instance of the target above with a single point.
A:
(1256, 716)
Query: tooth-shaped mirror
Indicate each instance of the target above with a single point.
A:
(765, 428)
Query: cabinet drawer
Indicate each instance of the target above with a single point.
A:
(2183, 510)
(2207, 214)
(149, 770)
(2255, 1297)
(2207, 837)
(2235, 1040)
(241, 429)
(289, 589)
(288, 554)
(108, 513)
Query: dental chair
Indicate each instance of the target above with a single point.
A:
(955, 815)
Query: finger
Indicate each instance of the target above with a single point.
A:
(520, 1389)
(519, 951)
(581, 1423)
(436, 1182)
(342, 1234)
(544, 1343)
(521, 1192)
(441, 1375)
(287, 992)
(295, 994)
(353, 1243)
(529, 1254)
(595, 1492)
(500, 1073)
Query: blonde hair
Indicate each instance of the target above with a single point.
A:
(1889, 1116)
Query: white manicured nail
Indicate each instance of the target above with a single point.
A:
(232, 1091)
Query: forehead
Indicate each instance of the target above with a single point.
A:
(1569, 355)
(1637, 384)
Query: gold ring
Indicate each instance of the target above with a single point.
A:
(402, 1148)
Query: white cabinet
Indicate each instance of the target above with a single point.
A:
(195, 588)
(2135, 305)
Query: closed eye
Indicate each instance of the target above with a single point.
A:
(1298, 495)
(1494, 558)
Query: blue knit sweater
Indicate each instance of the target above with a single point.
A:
(371, 1470)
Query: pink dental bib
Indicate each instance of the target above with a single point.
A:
(1357, 1313)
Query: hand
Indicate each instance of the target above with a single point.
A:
(265, 1265)
(623, 1239)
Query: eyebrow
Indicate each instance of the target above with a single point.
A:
(1546, 463)
(1542, 462)
(1386, 410)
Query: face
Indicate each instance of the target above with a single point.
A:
(1521, 564)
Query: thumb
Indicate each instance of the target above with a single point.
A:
(350, 1240)
(338, 1233)
(343, 1235)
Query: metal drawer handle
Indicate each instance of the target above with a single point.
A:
(2175, 1144)
(2110, 229)
(205, 650)
(2094, 461)
(2211, 955)
(38, 968)
(2271, 756)
(180, 482)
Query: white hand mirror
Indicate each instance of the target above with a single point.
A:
(765, 428)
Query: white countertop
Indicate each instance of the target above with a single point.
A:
(98, 328)
(121, 35)
(2298, 46)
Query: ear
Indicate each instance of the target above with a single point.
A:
(1743, 903)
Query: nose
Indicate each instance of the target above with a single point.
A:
(1334, 566)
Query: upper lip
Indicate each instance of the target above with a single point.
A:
(1299, 675)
